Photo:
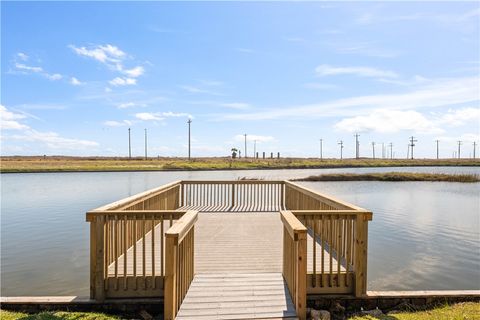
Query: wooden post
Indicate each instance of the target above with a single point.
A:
(93, 230)
(233, 195)
(99, 259)
(301, 276)
(361, 234)
(170, 293)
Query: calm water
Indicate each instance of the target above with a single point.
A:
(424, 235)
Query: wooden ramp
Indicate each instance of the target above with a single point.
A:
(237, 296)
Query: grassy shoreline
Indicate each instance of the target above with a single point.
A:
(460, 311)
(394, 177)
(36, 164)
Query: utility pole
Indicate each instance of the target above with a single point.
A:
(245, 155)
(321, 149)
(373, 149)
(408, 150)
(474, 147)
(437, 147)
(129, 145)
(357, 151)
(145, 144)
(254, 148)
(341, 149)
(189, 138)
(383, 150)
(412, 144)
(459, 144)
(391, 150)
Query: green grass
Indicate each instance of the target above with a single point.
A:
(460, 311)
(56, 315)
(394, 176)
(72, 164)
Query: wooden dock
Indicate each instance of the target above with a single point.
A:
(228, 249)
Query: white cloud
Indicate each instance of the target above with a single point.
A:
(74, 81)
(252, 137)
(55, 76)
(389, 121)
(193, 89)
(327, 70)
(112, 123)
(158, 116)
(30, 69)
(147, 116)
(8, 120)
(123, 81)
(53, 140)
(385, 121)
(24, 67)
(134, 72)
(466, 137)
(102, 53)
(236, 105)
(459, 117)
(22, 56)
(126, 105)
(437, 93)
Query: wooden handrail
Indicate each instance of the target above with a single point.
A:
(367, 215)
(142, 195)
(329, 200)
(132, 213)
(295, 261)
(179, 257)
(232, 182)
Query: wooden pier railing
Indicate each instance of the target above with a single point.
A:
(295, 261)
(237, 195)
(143, 246)
(180, 262)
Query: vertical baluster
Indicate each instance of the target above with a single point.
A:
(162, 253)
(339, 248)
(107, 248)
(153, 251)
(144, 272)
(314, 243)
(135, 250)
(330, 242)
(125, 252)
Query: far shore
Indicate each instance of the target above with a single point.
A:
(37, 164)
(394, 177)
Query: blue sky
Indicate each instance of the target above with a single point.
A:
(75, 76)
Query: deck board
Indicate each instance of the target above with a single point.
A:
(262, 295)
(233, 242)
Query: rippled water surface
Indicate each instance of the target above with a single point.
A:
(424, 235)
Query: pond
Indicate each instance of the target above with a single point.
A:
(424, 235)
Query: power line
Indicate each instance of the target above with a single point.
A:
(189, 138)
(129, 145)
(145, 144)
(474, 147)
(412, 144)
(321, 149)
(357, 145)
(245, 155)
(341, 149)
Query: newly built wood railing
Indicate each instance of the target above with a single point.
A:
(180, 262)
(127, 254)
(295, 260)
(143, 246)
(236, 195)
(338, 233)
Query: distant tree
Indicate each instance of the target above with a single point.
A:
(234, 153)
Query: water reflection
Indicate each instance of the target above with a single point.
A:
(423, 236)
